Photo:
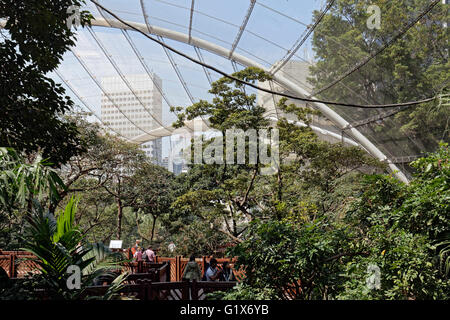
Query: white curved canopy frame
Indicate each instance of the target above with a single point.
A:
(340, 122)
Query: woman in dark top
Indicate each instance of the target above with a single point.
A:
(227, 273)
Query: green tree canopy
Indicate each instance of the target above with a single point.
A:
(414, 67)
(32, 110)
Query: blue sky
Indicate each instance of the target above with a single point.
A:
(209, 23)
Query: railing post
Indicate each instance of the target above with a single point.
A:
(168, 271)
(13, 273)
(177, 268)
(194, 290)
(11, 266)
(149, 295)
(185, 290)
(204, 265)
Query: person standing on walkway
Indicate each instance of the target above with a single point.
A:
(192, 270)
(138, 254)
(227, 272)
(150, 255)
(213, 274)
(134, 249)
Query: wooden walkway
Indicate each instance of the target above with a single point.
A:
(161, 280)
(17, 265)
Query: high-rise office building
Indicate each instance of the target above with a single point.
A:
(176, 161)
(165, 163)
(145, 99)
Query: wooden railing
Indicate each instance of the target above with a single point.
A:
(17, 265)
(144, 289)
(155, 272)
(178, 265)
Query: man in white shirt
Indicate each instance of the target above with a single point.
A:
(212, 274)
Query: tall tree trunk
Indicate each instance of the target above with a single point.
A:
(119, 218)
(280, 185)
(153, 228)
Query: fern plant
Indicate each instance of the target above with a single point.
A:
(57, 245)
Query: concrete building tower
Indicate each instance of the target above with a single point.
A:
(130, 105)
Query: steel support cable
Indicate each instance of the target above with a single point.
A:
(172, 61)
(145, 66)
(227, 23)
(66, 82)
(320, 33)
(341, 83)
(257, 87)
(371, 134)
(215, 38)
(178, 72)
(235, 68)
(208, 76)
(329, 38)
(235, 63)
(356, 124)
(107, 94)
(332, 115)
(380, 116)
(350, 126)
(298, 44)
(301, 23)
(242, 27)
(122, 76)
(399, 146)
(168, 54)
(200, 57)
(180, 77)
(280, 13)
(376, 118)
(405, 159)
(400, 34)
